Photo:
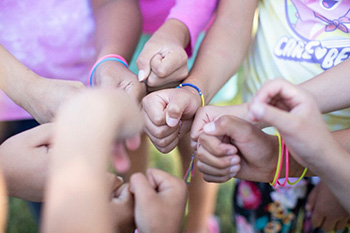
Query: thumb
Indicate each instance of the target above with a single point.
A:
(120, 159)
(175, 110)
(144, 62)
(141, 188)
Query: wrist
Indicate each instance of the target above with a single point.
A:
(109, 70)
(175, 31)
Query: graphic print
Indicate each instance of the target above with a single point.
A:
(322, 29)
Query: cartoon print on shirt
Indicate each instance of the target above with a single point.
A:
(321, 29)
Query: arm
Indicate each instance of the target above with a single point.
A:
(118, 27)
(330, 88)
(85, 133)
(27, 89)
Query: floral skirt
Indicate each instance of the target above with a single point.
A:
(260, 208)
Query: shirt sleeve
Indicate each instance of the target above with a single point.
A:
(195, 14)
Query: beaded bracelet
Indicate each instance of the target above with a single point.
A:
(109, 57)
(197, 89)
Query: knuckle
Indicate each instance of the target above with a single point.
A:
(141, 61)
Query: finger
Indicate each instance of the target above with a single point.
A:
(123, 193)
(310, 205)
(168, 148)
(143, 62)
(178, 75)
(317, 219)
(43, 135)
(199, 121)
(175, 109)
(216, 179)
(114, 182)
(340, 225)
(120, 158)
(159, 131)
(154, 109)
(168, 63)
(166, 183)
(141, 188)
(209, 170)
(218, 162)
(133, 143)
(163, 142)
(215, 146)
(328, 225)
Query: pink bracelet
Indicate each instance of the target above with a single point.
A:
(109, 57)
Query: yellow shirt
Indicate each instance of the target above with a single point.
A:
(297, 40)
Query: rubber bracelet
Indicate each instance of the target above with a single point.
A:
(300, 178)
(286, 152)
(110, 57)
(195, 87)
(279, 162)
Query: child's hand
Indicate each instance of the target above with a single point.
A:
(227, 137)
(159, 201)
(327, 212)
(47, 95)
(113, 74)
(295, 113)
(122, 205)
(211, 113)
(169, 114)
(163, 59)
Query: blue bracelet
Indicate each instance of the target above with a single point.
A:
(195, 87)
(100, 62)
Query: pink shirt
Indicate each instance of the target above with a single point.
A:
(55, 38)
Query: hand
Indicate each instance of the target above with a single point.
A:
(160, 201)
(122, 205)
(168, 115)
(211, 113)
(228, 137)
(103, 120)
(163, 60)
(290, 109)
(327, 212)
(54, 92)
(24, 162)
(113, 74)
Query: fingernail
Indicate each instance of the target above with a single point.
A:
(234, 160)
(171, 122)
(141, 75)
(234, 169)
(193, 144)
(257, 110)
(209, 128)
(230, 152)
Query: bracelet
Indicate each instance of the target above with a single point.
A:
(301, 177)
(197, 89)
(109, 57)
(285, 150)
(279, 162)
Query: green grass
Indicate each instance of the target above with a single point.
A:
(21, 221)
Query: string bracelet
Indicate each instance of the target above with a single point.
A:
(189, 173)
(279, 161)
(109, 57)
(197, 89)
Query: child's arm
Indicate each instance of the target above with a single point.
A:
(85, 132)
(118, 27)
(221, 54)
(164, 59)
(330, 88)
(160, 201)
(306, 135)
(24, 160)
(28, 89)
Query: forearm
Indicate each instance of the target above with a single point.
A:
(15, 78)
(331, 88)
(174, 31)
(224, 47)
(118, 26)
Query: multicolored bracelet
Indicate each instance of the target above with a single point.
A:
(279, 162)
(109, 57)
(197, 89)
